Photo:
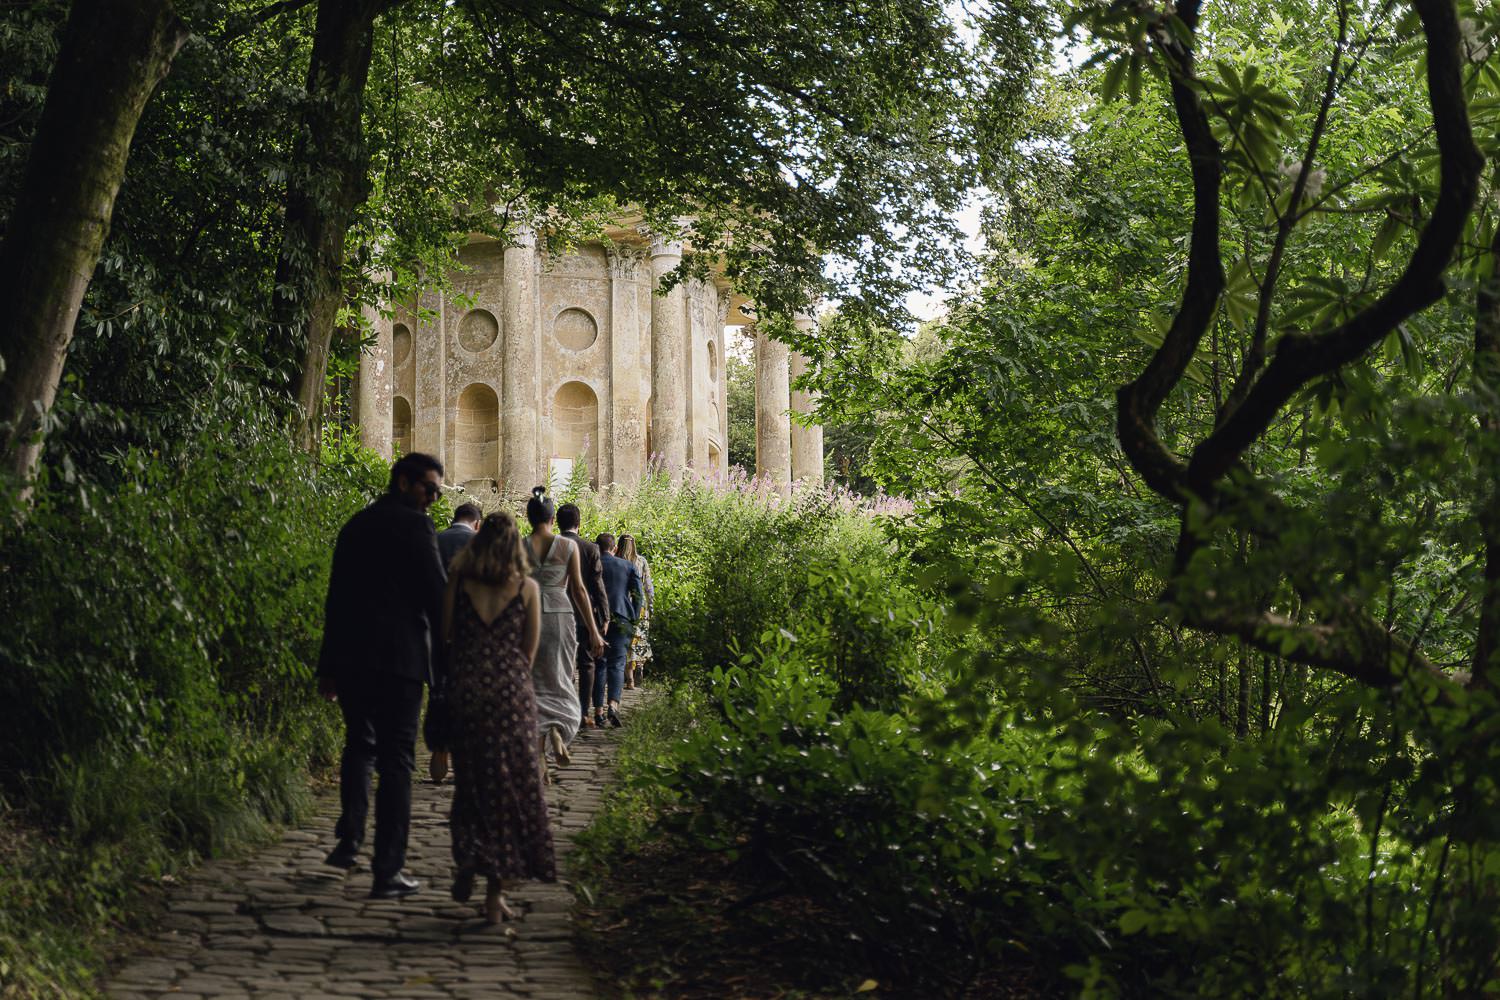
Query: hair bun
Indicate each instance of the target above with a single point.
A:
(539, 492)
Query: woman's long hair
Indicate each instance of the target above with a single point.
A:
(626, 546)
(496, 555)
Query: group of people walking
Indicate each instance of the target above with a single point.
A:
(525, 642)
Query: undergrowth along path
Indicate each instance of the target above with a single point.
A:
(281, 924)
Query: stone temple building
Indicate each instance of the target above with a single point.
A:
(549, 361)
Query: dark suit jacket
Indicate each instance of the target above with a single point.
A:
(623, 582)
(451, 542)
(593, 577)
(385, 597)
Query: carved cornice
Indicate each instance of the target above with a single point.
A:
(625, 263)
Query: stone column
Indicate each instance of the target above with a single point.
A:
(668, 368)
(773, 429)
(807, 442)
(430, 359)
(627, 400)
(376, 386)
(520, 382)
(721, 391)
(700, 311)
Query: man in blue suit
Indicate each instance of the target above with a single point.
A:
(622, 585)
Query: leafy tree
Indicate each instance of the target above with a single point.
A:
(110, 58)
(739, 383)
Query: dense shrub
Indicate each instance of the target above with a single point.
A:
(730, 561)
(155, 676)
(978, 813)
(1174, 862)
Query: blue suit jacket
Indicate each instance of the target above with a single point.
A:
(622, 583)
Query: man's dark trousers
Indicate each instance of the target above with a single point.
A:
(591, 568)
(381, 719)
(611, 667)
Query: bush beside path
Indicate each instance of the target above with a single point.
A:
(281, 924)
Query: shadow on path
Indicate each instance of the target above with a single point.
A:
(281, 924)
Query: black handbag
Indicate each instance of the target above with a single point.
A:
(437, 727)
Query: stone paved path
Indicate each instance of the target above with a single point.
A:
(281, 924)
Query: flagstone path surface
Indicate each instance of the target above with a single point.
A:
(281, 925)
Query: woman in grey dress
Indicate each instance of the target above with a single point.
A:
(554, 562)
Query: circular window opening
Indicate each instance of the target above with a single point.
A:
(401, 343)
(575, 329)
(478, 330)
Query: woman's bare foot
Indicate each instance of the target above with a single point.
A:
(495, 907)
(559, 748)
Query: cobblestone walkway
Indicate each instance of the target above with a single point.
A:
(281, 924)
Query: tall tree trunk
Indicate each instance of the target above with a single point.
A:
(1242, 714)
(113, 55)
(1265, 693)
(1486, 666)
(328, 182)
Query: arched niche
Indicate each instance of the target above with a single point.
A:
(400, 426)
(713, 362)
(478, 330)
(477, 434)
(575, 422)
(715, 461)
(575, 330)
(400, 344)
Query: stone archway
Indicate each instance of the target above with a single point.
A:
(477, 435)
(400, 426)
(575, 429)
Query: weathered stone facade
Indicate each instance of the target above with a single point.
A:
(554, 360)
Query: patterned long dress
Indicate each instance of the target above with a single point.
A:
(552, 671)
(640, 644)
(499, 818)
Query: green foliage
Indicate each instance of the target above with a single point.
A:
(730, 567)
(630, 812)
(739, 381)
(155, 696)
(958, 831)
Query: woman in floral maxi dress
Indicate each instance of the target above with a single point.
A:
(640, 645)
(491, 618)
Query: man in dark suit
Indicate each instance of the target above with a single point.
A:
(622, 582)
(451, 540)
(385, 601)
(568, 519)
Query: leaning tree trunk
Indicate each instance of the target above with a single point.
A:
(1486, 666)
(328, 182)
(113, 55)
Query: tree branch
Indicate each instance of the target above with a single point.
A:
(1300, 358)
(1255, 357)
(1139, 401)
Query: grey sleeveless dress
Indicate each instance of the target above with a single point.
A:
(553, 669)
